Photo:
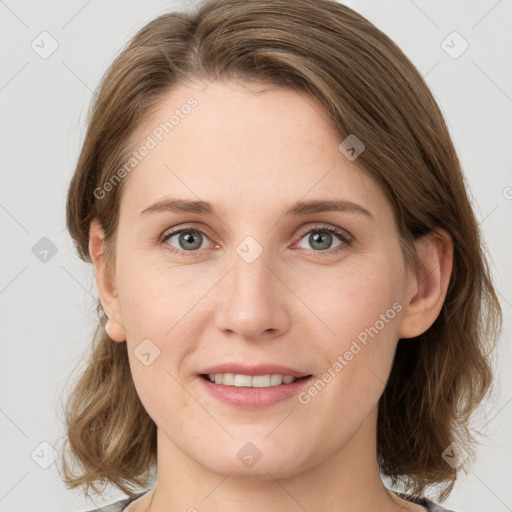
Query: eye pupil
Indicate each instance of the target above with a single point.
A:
(323, 238)
(188, 237)
(320, 240)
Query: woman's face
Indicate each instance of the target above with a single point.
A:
(253, 284)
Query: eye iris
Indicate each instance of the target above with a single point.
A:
(192, 239)
(317, 237)
(188, 237)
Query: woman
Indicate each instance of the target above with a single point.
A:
(294, 295)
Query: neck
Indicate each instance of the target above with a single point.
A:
(345, 481)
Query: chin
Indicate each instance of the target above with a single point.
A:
(258, 460)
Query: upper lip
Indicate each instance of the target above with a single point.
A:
(253, 369)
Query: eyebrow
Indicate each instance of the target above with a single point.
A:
(298, 209)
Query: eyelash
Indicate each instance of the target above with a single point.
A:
(346, 240)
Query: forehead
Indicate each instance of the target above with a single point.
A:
(241, 145)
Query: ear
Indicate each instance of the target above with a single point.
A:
(427, 288)
(105, 283)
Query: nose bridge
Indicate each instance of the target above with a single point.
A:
(250, 269)
(251, 302)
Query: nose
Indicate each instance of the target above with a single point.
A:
(253, 301)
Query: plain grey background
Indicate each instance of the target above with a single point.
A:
(52, 56)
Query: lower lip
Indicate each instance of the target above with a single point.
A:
(254, 397)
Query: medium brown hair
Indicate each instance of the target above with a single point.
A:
(369, 88)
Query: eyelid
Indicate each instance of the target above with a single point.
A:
(327, 227)
(345, 237)
(177, 230)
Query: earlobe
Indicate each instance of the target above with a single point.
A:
(427, 288)
(105, 283)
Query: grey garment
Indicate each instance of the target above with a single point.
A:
(119, 506)
(424, 502)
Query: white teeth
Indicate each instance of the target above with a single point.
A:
(261, 381)
(275, 380)
(250, 381)
(242, 380)
(228, 379)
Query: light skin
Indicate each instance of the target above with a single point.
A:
(253, 155)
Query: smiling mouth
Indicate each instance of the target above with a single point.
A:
(251, 381)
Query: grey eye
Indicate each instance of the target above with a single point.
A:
(320, 240)
(188, 240)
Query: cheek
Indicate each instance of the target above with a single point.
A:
(157, 307)
(154, 297)
(353, 298)
(360, 309)
(161, 395)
